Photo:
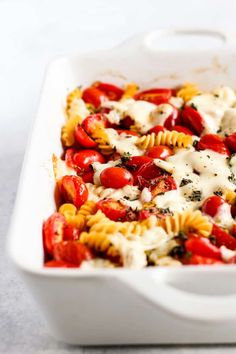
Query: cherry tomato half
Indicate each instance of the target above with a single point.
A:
(113, 92)
(213, 142)
(181, 129)
(155, 95)
(69, 155)
(84, 158)
(212, 204)
(94, 121)
(162, 184)
(94, 96)
(147, 172)
(159, 152)
(72, 252)
(74, 190)
(53, 231)
(88, 176)
(157, 129)
(127, 122)
(195, 259)
(202, 246)
(193, 120)
(128, 132)
(137, 161)
(113, 209)
(230, 142)
(223, 238)
(71, 233)
(116, 177)
(58, 264)
(83, 138)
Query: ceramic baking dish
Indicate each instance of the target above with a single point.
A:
(120, 306)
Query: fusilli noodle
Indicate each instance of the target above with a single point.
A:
(169, 138)
(130, 91)
(67, 132)
(188, 91)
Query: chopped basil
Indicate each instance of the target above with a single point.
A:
(177, 252)
(193, 106)
(219, 193)
(185, 181)
(195, 196)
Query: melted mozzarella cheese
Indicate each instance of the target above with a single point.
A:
(228, 123)
(123, 143)
(161, 113)
(212, 107)
(224, 217)
(226, 253)
(177, 102)
(146, 195)
(78, 108)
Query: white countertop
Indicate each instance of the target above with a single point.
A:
(31, 34)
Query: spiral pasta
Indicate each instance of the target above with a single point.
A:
(230, 196)
(188, 91)
(169, 138)
(68, 210)
(67, 132)
(100, 242)
(71, 98)
(100, 136)
(187, 221)
(130, 91)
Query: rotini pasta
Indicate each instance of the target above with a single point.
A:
(188, 91)
(130, 91)
(100, 136)
(67, 132)
(169, 138)
(71, 98)
(230, 196)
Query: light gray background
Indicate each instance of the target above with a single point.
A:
(31, 34)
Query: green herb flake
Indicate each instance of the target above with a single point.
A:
(185, 181)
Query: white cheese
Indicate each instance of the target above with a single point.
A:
(226, 94)
(228, 123)
(78, 108)
(97, 263)
(123, 143)
(61, 169)
(226, 253)
(161, 113)
(224, 217)
(164, 165)
(113, 116)
(177, 102)
(146, 195)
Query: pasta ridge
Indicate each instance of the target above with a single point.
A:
(168, 138)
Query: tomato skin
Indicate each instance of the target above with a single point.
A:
(72, 252)
(84, 158)
(88, 177)
(83, 138)
(94, 96)
(128, 132)
(181, 129)
(59, 264)
(147, 171)
(136, 161)
(155, 95)
(173, 119)
(74, 190)
(202, 246)
(113, 92)
(116, 177)
(159, 152)
(193, 120)
(94, 121)
(212, 204)
(69, 155)
(113, 209)
(127, 122)
(162, 184)
(223, 238)
(213, 142)
(53, 231)
(71, 233)
(230, 142)
(157, 129)
(199, 260)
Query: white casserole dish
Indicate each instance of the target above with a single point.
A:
(120, 306)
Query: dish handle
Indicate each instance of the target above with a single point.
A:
(181, 303)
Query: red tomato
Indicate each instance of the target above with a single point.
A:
(155, 95)
(162, 184)
(199, 260)
(113, 209)
(53, 231)
(72, 252)
(94, 96)
(74, 190)
(147, 171)
(84, 158)
(88, 177)
(94, 121)
(59, 264)
(83, 138)
(230, 142)
(129, 132)
(202, 247)
(113, 92)
(233, 210)
(71, 233)
(213, 142)
(69, 155)
(136, 161)
(116, 177)
(127, 122)
(193, 120)
(159, 152)
(212, 204)
(173, 119)
(144, 214)
(157, 129)
(223, 238)
(181, 129)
